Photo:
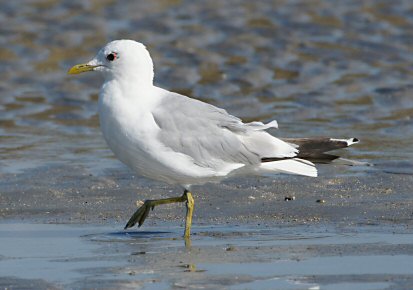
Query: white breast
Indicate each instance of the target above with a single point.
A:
(127, 126)
(131, 132)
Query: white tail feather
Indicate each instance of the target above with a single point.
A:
(291, 166)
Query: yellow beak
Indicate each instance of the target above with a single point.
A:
(80, 68)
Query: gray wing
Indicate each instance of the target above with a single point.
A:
(204, 132)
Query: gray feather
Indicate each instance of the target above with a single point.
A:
(204, 132)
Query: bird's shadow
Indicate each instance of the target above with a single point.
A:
(125, 236)
(141, 236)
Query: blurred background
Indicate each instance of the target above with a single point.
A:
(321, 68)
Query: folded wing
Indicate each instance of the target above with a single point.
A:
(215, 139)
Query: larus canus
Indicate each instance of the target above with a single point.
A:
(179, 140)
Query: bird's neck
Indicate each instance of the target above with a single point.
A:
(136, 77)
(132, 90)
(135, 84)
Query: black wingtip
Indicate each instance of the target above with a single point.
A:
(351, 141)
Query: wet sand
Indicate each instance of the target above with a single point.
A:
(245, 234)
(68, 195)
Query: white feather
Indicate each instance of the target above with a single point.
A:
(349, 142)
(291, 166)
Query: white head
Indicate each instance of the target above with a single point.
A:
(123, 60)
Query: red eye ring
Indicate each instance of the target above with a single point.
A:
(111, 56)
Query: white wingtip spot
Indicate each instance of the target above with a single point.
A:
(272, 124)
(349, 142)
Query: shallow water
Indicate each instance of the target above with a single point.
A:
(85, 256)
(325, 68)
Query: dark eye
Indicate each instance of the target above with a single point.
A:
(111, 56)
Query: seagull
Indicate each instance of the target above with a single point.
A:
(182, 141)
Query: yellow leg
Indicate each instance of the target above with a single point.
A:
(189, 211)
(142, 212)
